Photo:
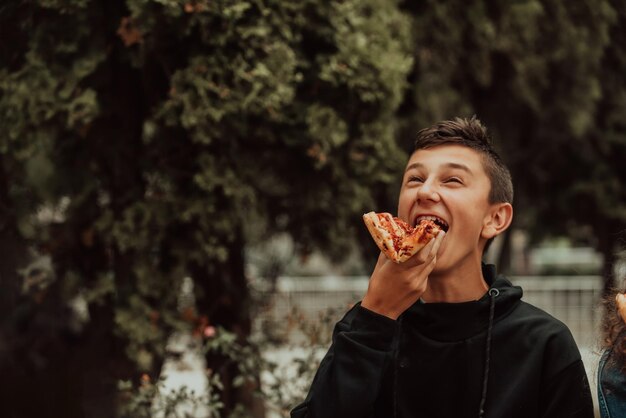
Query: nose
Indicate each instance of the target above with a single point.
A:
(427, 192)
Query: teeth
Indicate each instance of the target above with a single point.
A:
(430, 218)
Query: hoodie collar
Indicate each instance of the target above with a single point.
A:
(460, 321)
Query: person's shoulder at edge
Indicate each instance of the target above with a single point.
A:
(538, 319)
(527, 312)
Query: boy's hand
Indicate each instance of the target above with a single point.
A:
(393, 288)
(621, 305)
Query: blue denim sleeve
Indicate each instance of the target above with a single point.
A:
(611, 388)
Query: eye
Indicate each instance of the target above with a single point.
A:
(415, 179)
(453, 180)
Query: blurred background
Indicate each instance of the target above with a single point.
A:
(182, 182)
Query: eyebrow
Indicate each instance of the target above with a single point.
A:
(447, 165)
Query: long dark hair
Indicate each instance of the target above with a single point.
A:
(614, 331)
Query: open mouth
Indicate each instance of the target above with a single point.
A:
(438, 221)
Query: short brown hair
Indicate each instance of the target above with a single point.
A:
(471, 133)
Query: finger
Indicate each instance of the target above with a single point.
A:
(381, 259)
(432, 248)
(420, 278)
(380, 263)
(430, 266)
(425, 253)
(438, 239)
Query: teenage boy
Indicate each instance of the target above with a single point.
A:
(441, 335)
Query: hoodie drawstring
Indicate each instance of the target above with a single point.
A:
(395, 368)
(493, 293)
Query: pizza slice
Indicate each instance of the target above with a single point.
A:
(398, 240)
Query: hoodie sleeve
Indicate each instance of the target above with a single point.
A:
(568, 395)
(349, 377)
(566, 392)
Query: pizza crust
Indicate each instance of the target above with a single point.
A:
(381, 236)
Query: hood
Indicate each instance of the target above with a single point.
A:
(459, 321)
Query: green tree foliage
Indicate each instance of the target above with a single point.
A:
(537, 72)
(599, 195)
(145, 141)
(530, 69)
(142, 139)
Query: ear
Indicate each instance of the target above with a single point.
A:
(497, 220)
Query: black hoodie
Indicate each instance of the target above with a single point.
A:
(498, 355)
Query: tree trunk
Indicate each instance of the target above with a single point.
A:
(223, 296)
(13, 248)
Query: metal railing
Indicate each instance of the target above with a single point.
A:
(575, 300)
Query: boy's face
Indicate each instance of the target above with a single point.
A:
(449, 182)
